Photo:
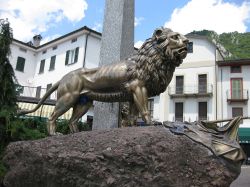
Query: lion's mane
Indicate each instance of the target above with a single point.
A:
(154, 64)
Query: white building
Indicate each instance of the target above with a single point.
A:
(37, 67)
(233, 89)
(191, 94)
(195, 92)
(204, 86)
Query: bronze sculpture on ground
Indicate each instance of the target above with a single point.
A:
(145, 74)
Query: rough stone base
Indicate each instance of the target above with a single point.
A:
(136, 156)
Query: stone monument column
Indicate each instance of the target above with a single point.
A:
(117, 44)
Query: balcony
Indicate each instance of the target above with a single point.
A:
(242, 97)
(190, 91)
(34, 94)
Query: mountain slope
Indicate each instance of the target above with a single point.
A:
(237, 44)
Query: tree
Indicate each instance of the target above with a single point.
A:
(8, 81)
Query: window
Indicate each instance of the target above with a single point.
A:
(42, 64)
(23, 50)
(237, 111)
(235, 69)
(48, 87)
(151, 107)
(179, 112)
(202, 81)
(20, 64)
(179, 84)
(72, 56)
(54, 48)
(52, 63)
(38, 92)
(190, 47)
(236, 88)
(202, 110)
(73, 40)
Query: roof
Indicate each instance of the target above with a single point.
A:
(85, 28)
(235, 62)
(219, 47)
(196, 36)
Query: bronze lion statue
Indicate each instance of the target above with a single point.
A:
(145, 74)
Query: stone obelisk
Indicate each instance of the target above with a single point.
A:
(117, 44)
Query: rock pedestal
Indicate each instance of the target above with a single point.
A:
(136, 156)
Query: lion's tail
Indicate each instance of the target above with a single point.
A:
(47, 94)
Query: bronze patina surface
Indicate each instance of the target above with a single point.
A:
(145, 74)
(222, 141)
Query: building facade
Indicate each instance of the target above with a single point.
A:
(203, 87)
(196, 92)
(37, 67)
(191, 95)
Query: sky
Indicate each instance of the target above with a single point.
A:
(55, 18)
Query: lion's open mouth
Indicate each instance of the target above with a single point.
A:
(182, 52)
(179, 54)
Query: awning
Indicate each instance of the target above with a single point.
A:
(43, 111)
(244, 135)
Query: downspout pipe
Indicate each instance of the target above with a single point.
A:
(85, 49)
(216, 86)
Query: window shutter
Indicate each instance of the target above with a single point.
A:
(41, 70)
(76, 55)
(67, 57)
(38, 91)
(202, 83)
(179, 84)
(178, 111)
(20, 64)
(52, 63)
(47, 89)
(202, 110)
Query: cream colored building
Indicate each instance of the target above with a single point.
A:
(191, 94)
(197, 91)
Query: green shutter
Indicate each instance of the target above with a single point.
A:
(76, 54)
(20, 64)
(67, 57)
(41, 70)
(236, 89)
(52, 63)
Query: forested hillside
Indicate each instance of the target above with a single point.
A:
(237, 44)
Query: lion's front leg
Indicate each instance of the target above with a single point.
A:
(140, 97)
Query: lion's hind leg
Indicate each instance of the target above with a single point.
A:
(63, 104)
(79, 110)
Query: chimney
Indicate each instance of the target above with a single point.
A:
(36, 40)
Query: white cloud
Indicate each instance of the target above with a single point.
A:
(97, 27)
(138, 21)
(29, 17)
(214, 15)
(138, 44)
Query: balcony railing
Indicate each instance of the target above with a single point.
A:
(242, 96)
(34, 94)
(191, 91)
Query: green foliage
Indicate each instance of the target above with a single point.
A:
(238, 44)
(8, 81)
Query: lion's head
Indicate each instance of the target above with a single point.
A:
(172, 44)
(157, 59)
